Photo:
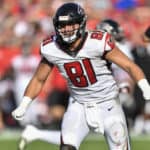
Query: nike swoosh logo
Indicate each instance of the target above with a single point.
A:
(109, 109)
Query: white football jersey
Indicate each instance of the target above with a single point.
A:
(88, 75)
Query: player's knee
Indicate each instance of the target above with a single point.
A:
(118, 133)
(67, 147)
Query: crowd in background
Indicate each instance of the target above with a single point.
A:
(25, 23)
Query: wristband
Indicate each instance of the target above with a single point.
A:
(143, 84)
(26, 101)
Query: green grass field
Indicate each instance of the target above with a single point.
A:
(87, 145)
(92, 142)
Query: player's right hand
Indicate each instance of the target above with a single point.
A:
(18, 113)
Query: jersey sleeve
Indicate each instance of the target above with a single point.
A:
(109, 42)
(45, 61)
(43, 58)
(46, 41)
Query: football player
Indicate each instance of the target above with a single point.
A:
(23, 67)
(141, 53)
(146, 38)
(83, 59)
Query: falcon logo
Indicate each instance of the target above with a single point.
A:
(109, 109)
(110, 41)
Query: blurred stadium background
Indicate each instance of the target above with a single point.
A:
(23, 25)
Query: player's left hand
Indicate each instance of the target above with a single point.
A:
(145, 87)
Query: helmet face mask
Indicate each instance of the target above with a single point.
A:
(68, 35)
(69, 14)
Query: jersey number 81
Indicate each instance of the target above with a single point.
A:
(81, 73)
